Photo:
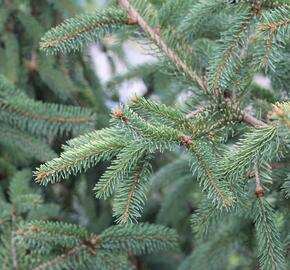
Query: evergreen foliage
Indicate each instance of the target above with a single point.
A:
(40, 118)
(271, 252)
(43, 244)
(75, 32)
(212, 157)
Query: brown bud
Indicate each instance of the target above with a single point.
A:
(134, 100)
(19, 232)
(186, 141)
(260, 192)
(278, 111)
(125, 119)
(32, 66)
(256, 9)
(211, 135)
(273, 27)
(131, 20)
(94, 241)
(40, 176)
(118, 114)
(34, 228)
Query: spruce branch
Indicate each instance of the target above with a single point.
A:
(273, 26)
(228, 53)
(37, 117)
(161, 113)
(57, 79)
(243, 37)
(198, 15)
(110, 261)
(138, 239)
(271, 37)
(263, 142)
(91, 248)
(208, 180)
(125, 216)
(74, 33)
(83, 153)
(125, 161)
(275, 4)
(141, 129)
(206, 216)
(137, 18)
(271, 254)
(176, 202)
(259, 188)
(251, 120)
(61, 258)
(131, 195)
(214, 251)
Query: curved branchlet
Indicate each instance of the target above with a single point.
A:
(125, 162)
(74, 33)
(204, 163)
(227, 56)
(262, 143)
(131, 195)
(81, 157)
(272, 33)
(197, 15)
(154, 35)
(271, 254)
(167, 115)
(78, 247)
(38, 118)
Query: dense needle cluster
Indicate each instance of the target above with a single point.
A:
(226, 145)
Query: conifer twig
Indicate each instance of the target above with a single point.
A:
(246, 117)
(210, 176)
(135, 17)
(259, 188)
(195, 112)
(125, 216)
(59, 259)
(221, 68)
(251, 120)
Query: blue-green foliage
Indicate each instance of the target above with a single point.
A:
(40, 118)
(271, 254)
(43, 244)
(218, 45)
(211, 166)
(74, 33)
